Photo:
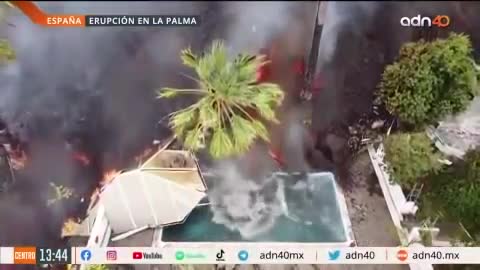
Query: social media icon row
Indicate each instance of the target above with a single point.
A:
(86, 255)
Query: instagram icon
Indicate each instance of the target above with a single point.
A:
(111, 255)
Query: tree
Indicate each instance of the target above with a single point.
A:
(456, 190)
(410, 157)
(430, 80)
(231, 109)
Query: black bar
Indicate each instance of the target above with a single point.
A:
(142, 20)
(46, 255)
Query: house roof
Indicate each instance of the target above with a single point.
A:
(137, 199)
(162, 191)
(178, 166)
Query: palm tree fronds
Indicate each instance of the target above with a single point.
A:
(218, 56)
(204, 69)
(221, 144)
(260, 130)
(189, 58)
(246, 67)
(243, 133)
(167, 93)
(182, 120)
(276, 95)
(194, 139)
(266, 111)
(229, 116)
(208, 114)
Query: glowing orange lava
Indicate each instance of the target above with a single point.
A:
(108, 176)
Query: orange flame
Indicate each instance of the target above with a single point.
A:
(18, 159)
(70, 226)
(108, 176)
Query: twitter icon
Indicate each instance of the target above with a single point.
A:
(333, 255)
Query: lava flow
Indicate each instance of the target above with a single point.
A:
(298, 68)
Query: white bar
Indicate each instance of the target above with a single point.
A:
(6, 255)
(438, 255)
(359, 255)
(276, 256)
(273, 255)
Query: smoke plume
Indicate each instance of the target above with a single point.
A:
(343, 16)
(252, 24)
(246, 197)
(92, 90)
(83, 89)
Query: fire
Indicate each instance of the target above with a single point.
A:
(277, 156)
(18, 159)
(82, 158)
(69, 227)
(108, 176)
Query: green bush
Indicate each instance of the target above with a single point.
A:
(456, 190)
(430, 80)
(410, 157)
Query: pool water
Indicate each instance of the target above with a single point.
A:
(314, 215)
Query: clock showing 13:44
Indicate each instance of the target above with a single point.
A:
(54, 255)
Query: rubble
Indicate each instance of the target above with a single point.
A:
(370, 127)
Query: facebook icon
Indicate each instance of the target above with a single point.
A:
(86, 255)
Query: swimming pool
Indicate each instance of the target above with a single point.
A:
(316, 214)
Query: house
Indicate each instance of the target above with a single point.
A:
(130, 210)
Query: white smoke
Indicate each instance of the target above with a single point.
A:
(341, 16)
(246, 197)
(245, 205)
(100, 81)
(253, 24)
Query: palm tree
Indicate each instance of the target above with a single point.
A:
(232, 108)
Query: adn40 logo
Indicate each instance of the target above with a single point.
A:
(441, 21)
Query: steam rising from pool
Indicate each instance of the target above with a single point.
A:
(248, 198)
(251, 208)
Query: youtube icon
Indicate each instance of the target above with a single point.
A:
(137, 255)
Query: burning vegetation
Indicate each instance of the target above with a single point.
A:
(74, 126)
